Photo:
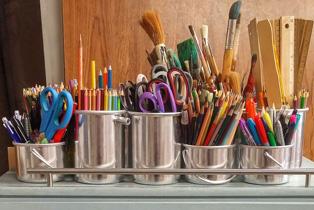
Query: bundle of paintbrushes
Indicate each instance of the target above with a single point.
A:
(216, 122)
(268, 128)
(195, 57)
(48, 111)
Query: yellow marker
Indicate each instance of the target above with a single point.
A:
(267, 119)
(93, 75)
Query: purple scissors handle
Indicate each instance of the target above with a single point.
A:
(167, 88)
(148, 96)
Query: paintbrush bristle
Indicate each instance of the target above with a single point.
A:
(234, 11)
(204, 31)
(151, 23)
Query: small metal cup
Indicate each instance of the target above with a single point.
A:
(155, 138)
(38, 156)
(265, 157)
(210, 157)
(100, 144)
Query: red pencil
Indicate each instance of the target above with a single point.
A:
(105, 78)
(261, 130)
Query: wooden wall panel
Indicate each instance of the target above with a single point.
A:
(112, 34)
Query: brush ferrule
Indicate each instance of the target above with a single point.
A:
(230, 33)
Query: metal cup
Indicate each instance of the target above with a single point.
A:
(298, 140)
(155, 138)
(100, 144)
(38, 156)
(265, 157)
(210, 157)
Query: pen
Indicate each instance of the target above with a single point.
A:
(14, 136)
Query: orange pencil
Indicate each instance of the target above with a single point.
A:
(205, 125)
(80, 73)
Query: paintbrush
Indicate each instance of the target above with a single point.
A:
(208, 51)
(234, 13)
(151, 23)
(200, 53)
(236, 44)
(250, 85)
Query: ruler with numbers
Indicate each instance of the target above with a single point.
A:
(287, 56)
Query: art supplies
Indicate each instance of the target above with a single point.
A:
(48, 111)
(281, 46)
(270, 127)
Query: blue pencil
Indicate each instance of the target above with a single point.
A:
(100, 80)
(109, 77)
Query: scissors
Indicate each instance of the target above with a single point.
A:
(130, 93)
(179, 85)
(157, 100)
(52, 116)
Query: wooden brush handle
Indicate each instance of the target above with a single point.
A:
(227, 62)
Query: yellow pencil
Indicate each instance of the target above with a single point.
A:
(106, 99)
(93, 75)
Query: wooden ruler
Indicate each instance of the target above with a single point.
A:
(270, 66)
(255, 49)
(287, 56)
(276, 34)
(304, 49)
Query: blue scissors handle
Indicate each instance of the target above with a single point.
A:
(55, 123)
(165, 87)
(47, 106)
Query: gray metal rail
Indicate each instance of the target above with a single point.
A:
(307, 172)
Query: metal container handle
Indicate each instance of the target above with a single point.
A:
(190, 162)
(41, 158)
(267, 155)
(122, 120)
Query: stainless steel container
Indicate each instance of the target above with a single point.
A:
(298, 140)
(100, 144)
(265, 157)
(155, 142)
(210, 157)
(38, 156)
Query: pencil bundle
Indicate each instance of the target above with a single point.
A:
(100, 96)
(268, 128)
(216, 122)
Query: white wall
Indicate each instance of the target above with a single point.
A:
(52, 29)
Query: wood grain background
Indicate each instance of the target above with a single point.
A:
(112, 35)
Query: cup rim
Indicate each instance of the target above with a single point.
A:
(102, 112)
(266, 147)
(152, 114)
(209, 147)
(37, 145)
